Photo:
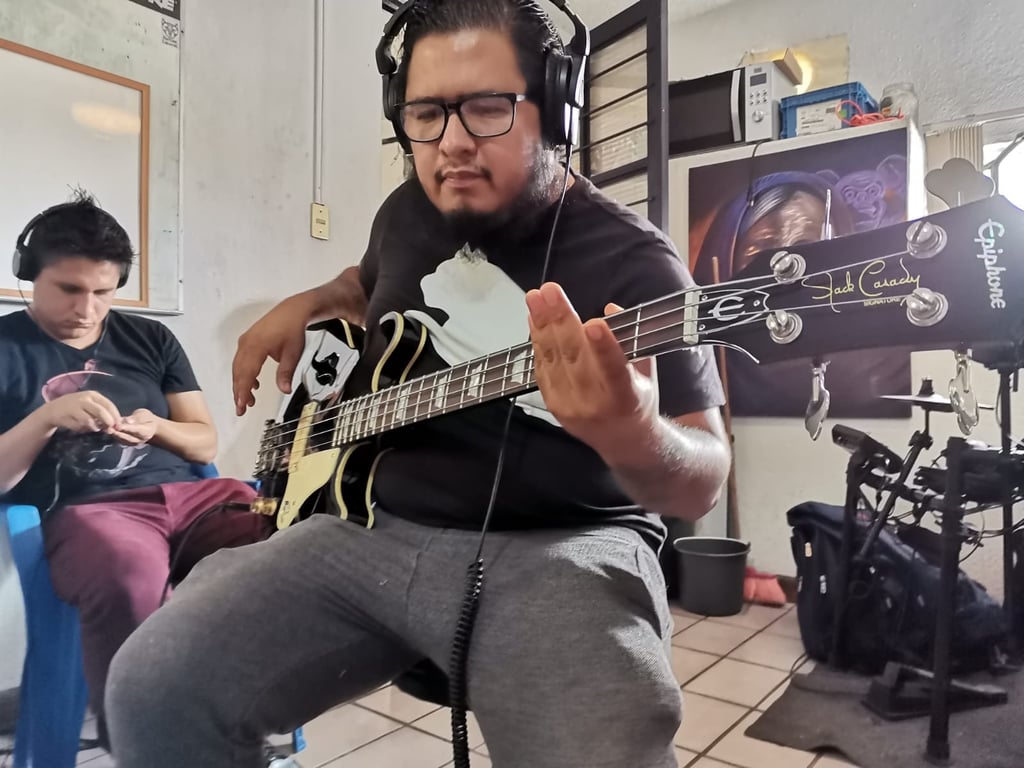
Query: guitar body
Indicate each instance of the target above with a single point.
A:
(304, 467)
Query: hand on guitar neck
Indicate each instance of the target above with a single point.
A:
(671, 467)
(596, 394)
(280, 334)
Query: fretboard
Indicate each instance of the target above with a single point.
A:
(502, 374)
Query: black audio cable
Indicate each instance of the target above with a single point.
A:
(459, 660)
(173, 566)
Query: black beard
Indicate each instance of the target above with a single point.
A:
(519, 217)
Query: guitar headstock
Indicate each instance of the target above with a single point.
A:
(948, 280)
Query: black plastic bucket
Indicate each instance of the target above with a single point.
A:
(711, 573)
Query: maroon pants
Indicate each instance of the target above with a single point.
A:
(111, 557)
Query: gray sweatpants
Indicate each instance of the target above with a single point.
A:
(568, 668)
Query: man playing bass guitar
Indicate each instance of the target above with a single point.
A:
(568, 663)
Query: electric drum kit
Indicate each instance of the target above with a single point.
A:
(983, 486)
(974, 476)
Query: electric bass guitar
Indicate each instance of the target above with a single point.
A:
(951, 280)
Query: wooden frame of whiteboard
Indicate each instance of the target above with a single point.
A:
(143, 89)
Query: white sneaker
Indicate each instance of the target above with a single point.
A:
(276, 760)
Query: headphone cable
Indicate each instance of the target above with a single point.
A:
(459, 660)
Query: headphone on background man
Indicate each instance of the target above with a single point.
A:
(563, 96)
(27, 264)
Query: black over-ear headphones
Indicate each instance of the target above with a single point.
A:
(563, 77)
(26, 262)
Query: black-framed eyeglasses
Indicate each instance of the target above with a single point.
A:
(483, 115)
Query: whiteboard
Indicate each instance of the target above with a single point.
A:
(91, 98)
(92, 129)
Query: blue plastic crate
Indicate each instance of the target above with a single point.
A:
(854, 92)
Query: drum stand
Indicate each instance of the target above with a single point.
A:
(867, 453)
(903, 691)
(921, 440)
(1007, 360)
(944, 696)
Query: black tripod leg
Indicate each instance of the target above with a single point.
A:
(1009, 599)
(918, 442)
(952, 514)
(841, 589)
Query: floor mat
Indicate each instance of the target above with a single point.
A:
(823, 710)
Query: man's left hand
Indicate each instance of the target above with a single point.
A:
(587, 383)
(138, 428)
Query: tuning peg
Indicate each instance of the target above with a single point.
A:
(817, 408)
(784, 327)
(959, 182)
(926, 307)
(961, 395)
(787, 266)
(925, 239)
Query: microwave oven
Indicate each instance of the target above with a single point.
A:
(738, 106)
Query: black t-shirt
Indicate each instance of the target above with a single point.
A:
(472, 300)
(135, 363)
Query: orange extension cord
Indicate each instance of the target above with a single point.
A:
(861, 117)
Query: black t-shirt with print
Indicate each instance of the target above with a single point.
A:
(472, 299)
(135, 363)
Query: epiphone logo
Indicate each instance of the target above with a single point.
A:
(868, 287)
(742, 304)
(728, 309)
(989, 252)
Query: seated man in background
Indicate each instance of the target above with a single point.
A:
(101, 418)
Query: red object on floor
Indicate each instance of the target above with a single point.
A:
(762, 588)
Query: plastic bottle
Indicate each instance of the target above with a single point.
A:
(897, 99)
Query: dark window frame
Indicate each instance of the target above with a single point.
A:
(652, 15)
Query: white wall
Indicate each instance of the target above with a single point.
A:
(593, 12)
(248, 178)
(962, 56)
(247, 183)
(963, 60)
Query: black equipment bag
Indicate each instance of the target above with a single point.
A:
(891, 604)
(1017, 584)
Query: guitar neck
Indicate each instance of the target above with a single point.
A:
(641, 331)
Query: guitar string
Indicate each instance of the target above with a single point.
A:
(754, 278)
(772, 281)
(388, 398)
(416, 398)
(625, 316)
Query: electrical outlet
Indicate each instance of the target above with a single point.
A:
(319, 221)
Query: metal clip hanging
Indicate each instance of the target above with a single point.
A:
(961, 394)
(817, 408)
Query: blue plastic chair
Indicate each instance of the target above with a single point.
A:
(53, 691)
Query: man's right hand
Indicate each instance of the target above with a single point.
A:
(279, 334)
(82, 412)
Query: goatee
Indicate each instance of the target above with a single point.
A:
(519, 217)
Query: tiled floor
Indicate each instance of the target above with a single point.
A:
(731, 669)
